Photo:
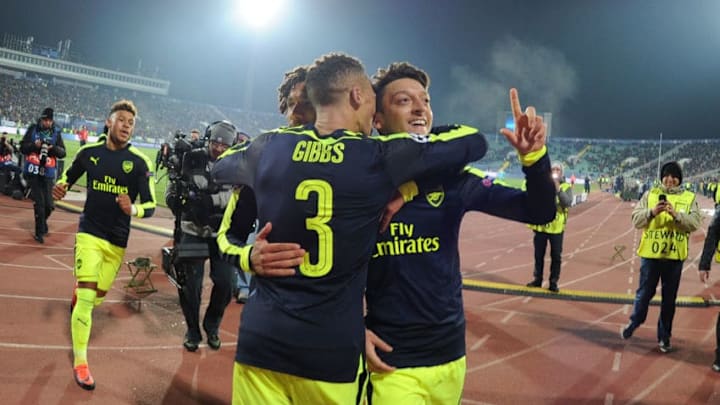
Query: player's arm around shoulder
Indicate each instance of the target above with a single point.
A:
(446, 149)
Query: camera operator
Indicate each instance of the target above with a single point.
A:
(198, 205)
(9, 170)
(42, 145)
(195, 139)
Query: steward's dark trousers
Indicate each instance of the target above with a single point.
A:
(41, 191)
(540, 242)
(651, 272)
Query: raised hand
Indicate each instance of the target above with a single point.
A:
(274, 259)
(529, 134)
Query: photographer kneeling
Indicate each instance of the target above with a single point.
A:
(198, 205)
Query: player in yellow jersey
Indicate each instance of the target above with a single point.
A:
(117, 173)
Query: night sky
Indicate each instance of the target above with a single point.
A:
(604, 68)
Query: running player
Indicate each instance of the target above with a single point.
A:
(116, 174)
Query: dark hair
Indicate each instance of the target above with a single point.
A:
(395, 71)
(124, 105)
(291, 79)
(330, 75)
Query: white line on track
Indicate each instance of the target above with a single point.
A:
(52, 258)
(616, 362)
(508, 317)
(473, 402)
(176, 346)
(479, 342)
(609, 398)
(537, 346)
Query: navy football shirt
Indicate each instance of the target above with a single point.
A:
(326, 194)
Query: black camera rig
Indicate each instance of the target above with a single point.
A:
(180, 190)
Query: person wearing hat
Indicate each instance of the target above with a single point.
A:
(201, 213)
(552, 232)
(42, 145)
(667, 214)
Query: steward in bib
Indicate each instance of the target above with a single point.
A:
(667, 214)
(552, 233)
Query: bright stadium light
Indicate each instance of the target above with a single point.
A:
(257, 13)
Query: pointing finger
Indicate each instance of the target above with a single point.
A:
(515, 103)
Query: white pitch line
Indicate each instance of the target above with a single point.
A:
(479, 342)
(477, 266)
(616, 362)
(508, 317)
(523, 352)
(609, 398)
(527, 299)
(630, 280)
(473, 402)
(27, 266)
(58, 262)
(175, 346)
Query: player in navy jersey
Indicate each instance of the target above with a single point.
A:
(324, 187)
(416, 325)
(117, 173)
(269, 259)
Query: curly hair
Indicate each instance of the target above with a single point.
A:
(291, 79)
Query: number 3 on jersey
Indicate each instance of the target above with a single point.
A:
(318, 223)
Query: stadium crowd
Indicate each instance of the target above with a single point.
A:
(80, 103)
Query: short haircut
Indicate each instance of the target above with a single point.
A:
(395, 71)
(291, 79)
(124, 105)
(330, 75)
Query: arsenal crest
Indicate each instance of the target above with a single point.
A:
(435, 197)
(127, 166)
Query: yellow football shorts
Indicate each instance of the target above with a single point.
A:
(96, 260)
(442, 384)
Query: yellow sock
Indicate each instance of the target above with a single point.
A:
(81, 323)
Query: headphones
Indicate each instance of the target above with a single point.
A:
(229, 126)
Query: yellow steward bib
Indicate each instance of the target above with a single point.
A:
(661, 239)
(558, 224)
